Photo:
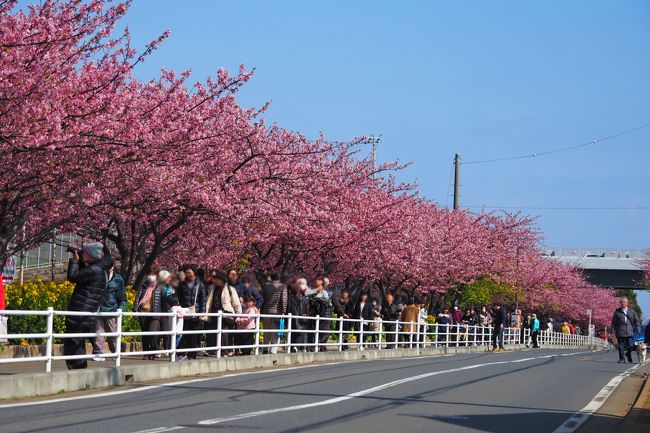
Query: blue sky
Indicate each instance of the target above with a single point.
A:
(484, 79)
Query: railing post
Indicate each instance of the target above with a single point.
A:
(396, 342)
(219, 326)
(257, 334)
(288, 329)
(341, 325)
(174, 336)
(361, 326)
(48, 346)
(381, 331)
(316, 336)
(411, 337)
(118, 340)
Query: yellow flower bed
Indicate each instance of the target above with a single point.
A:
(37, 294)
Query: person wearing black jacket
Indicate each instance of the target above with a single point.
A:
(343, 307)
(362, 311)
(320, 304)
(625, 323)
(297, 305)
(499, 324)
(390, 312)
(90, 275)
(192, 293)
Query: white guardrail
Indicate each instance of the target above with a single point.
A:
(393, 335)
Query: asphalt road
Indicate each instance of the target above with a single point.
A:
(529, 391)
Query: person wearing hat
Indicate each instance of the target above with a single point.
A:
(534, 331)
(89, 271)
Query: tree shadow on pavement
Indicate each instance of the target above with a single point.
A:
(529, 422)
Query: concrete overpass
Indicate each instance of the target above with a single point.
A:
(606, 267)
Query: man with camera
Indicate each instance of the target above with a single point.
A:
(88, 269)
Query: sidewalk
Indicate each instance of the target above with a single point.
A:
(39, 366)
(638, 419)
(627, 410)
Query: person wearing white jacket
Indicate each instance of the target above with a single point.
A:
(222, 297)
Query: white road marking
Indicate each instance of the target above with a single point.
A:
(160, 429)
(362, 392)
(580, 417)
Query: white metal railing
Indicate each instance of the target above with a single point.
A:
(629, 253)
(314, 334)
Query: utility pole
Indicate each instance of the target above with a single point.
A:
(53, 255)
(517, 278)
(374, 140)
(591, 336)
(456, 181)
(21, 277)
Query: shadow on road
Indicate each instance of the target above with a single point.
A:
(524, 421)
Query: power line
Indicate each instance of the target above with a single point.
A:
(560, 207)
(561, 149)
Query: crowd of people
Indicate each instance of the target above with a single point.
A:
(193, 294)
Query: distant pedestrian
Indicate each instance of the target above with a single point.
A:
(247, 323)
(275, 302)
(375, 324)
(248, 288)
(343, 307)
(114, 299)
(148, 300)
(534, 331)
(166, 290)
(175, 307)
(485, 317)
(572, 329)
(444, 319)
(390, 313)
(362, 313)
(500, 318)
(422, 318)
(565, 328)
(527, 325)
(625, 323)
(320, 304)
(192, 295)
(221, 296)
(298, 307)
(411, 317)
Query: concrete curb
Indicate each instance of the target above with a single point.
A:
(42, 384)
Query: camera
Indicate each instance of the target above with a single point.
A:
(72, 250)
